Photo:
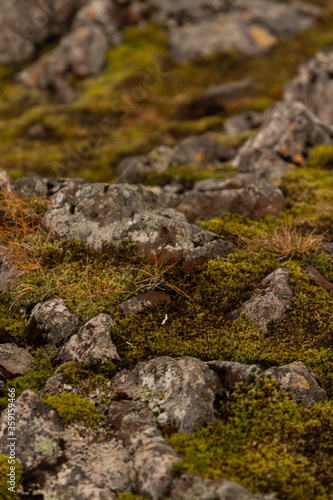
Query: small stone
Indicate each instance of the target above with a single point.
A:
(272, 302)
(13, 360)
(298, 379)
(30, 187)
(37, 131)
(144, 301)
(92, 342)
(51, 322)
(231, 373)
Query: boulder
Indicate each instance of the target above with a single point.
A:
(231, 373)
(93, 341)
(286, 136)
(51, 322)
(98, 213)
(242, 122)
(298, 379)
(143, 301)
(13, 361)
(179, 391)
(254, 200)
(152, 458)
(271, 302)
(29, 187)
(313, 85)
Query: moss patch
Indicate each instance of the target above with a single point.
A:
(74, 408)
(5, 464)
(265, 441)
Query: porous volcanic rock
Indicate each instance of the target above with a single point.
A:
(270, 303)
(51, 322)
(313, 85)
(13, 361)
(93, 341)
(152, 458)
(180, 391)
(298, 379)
(289, 131)
(98, 213)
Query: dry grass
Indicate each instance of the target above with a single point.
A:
(285, 242)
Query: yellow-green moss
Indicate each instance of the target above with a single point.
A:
(321, 156)
(265, 441)
(74, 408)
(87, 377)
(130, 496)
(5, 494)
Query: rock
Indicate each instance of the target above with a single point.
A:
(200, 149)
(173, 13)
(214, 99)
(29, 187)
(37, 132)
(93, 341)
(288, 132)
(191, 487)
(5, 182)
(313, 85)
(180, 391)
(231, 373)
(151, 456)
(254, 200)
(81, 52)
(54, 185)
(326, 248)
(51, 322)
(38, 432)
(130, 169)
(298, 379)
(144, 301)
(318, 277)
(13, 361)
(243, 122)
(99, 213)
(8, 274)
(272, 302)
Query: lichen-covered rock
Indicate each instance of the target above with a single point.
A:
(313, 85)
(13, 360)
(254, 200)
(180, 391)
(99, 213)
(298, 379)
(54, 185)
(200, 149)
(93, 341)
(143, 301)
(243, 122)
(151, 456)
(288, 131)
(272, 301)
(51, 322)
(29, 187)
(231, 373)
(190, 487)
(38, 432)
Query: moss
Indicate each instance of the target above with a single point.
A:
(36, 376)
(74, 408)
(265, 441)
(5, 464)
(187, 173)
(87, 377)
(130, 496)
(321, 156)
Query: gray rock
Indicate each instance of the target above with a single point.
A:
(99, 213)
(288, 132)
(54, 185)
(171, 12)
(326, 248)
(8, 274)
(200, 149)
(231, 373)
(144, 301)
(298, 379)
(29, 187)
(272, 302)
(51, 322)
(13, 360)
(180, 391)
(93, 341)
(190, 487)
(152, 458)
(5, 182)
(243, 122)
(38, 432)
(313, 85)
(254, 200)
(130, 169)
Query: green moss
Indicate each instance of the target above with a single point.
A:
(130, 496)
(265, 441)
(321, 156)
(74, 408)
(5, 464)
(187, 173)
(36, 376)
(87, 376)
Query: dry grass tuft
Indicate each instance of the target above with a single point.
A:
(284, 242)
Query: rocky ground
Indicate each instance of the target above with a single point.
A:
(166, 246)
